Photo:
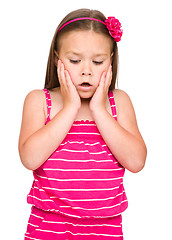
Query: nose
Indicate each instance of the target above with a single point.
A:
(86, 70)
(85, 73)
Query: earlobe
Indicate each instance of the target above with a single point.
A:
(56, 57)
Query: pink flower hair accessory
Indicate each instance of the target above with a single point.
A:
(114, 27)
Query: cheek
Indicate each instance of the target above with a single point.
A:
(73, 76)
(70, 70)
(98, 76)
(72, 73)
(99, 72)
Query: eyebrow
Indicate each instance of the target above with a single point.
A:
(80, 54)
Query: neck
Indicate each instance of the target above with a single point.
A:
(84, 111)
(85, 101)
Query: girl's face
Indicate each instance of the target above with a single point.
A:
(85, 55)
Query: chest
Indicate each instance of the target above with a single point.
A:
(84, 112)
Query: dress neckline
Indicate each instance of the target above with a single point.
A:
(87, 121)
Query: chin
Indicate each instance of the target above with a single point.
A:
(85, 95)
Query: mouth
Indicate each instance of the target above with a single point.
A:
(85, 86)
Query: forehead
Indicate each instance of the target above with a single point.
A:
(85, 41)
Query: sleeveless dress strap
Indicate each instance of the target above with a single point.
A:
(112, 104)
(48, 102)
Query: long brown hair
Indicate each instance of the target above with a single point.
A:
(51, 79)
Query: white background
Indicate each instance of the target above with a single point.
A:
(26, 29)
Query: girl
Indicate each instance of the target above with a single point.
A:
(78, 135)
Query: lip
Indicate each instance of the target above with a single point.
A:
(84, 88)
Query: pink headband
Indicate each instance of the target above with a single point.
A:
(112, 24)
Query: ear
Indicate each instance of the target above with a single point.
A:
(56, 57)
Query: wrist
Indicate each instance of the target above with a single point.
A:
(98, 112)
(71, 110)
(73, 107)
(97, 108)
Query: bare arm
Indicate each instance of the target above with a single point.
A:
(38, 141)
(122, 136)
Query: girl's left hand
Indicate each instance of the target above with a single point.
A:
(98, 100)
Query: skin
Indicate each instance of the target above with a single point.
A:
(83, 56)
(86, 58)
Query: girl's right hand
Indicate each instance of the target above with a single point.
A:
(69, 93)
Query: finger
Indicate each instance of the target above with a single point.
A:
(58, 65)
(68, 78)
(58, 71)
(102, 79)
(62, 69)
(61, 74)
(108, 76)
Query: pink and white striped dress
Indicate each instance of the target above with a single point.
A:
(81, 179)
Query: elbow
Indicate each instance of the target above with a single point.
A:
(26, 159)
(139, 162)
(27, 163)
(137, 167)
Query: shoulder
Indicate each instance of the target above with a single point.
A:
(35, 102)
(35, 95)
(123, 102)
(125, 111)
(120, 94)
(36, 98)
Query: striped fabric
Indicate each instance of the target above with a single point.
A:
(81, 179)
(49, 226)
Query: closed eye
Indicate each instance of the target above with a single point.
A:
(97, 62)
(74, 61)
(78, 61)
